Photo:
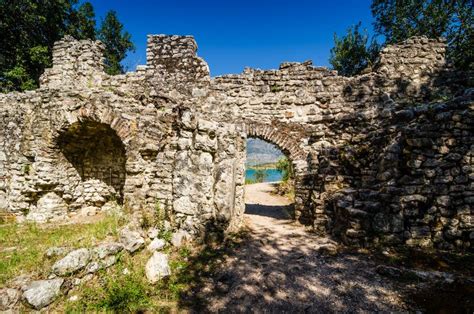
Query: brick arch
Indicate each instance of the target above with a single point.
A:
(281, 136)
(124, 129)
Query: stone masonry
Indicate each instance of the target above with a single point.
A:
(376, 160)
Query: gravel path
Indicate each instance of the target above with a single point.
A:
(282, 268)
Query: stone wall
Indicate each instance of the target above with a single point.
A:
(370, 166)
(407, 181)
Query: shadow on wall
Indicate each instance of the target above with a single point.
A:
(401, 177)
(95, 152)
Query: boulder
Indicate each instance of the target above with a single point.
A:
(8, 298)
(56, 251)
(105, 249)
(179, 237)
(152, 233)
(157, 267)
(106, 262)
(73, 262)
(41, 293)
(92, 267)
(131, 240)
(156, 245)
(328, 248)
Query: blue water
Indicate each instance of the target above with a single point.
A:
(272, 175)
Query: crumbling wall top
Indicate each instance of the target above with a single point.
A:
(75, 62)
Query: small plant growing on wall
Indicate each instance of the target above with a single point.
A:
(275, 88)
(26, 169)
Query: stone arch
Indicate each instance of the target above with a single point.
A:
(280, 136)
(124, 129)
(92, 146)
(94, 158)
(288, 140)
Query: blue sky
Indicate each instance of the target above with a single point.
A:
(234, 34)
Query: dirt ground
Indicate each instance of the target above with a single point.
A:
(281, 268)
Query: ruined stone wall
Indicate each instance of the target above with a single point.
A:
(85, 140)
(407, 181)
(170, 137)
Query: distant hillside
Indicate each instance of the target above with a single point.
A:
(261, 152)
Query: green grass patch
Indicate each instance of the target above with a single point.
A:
(117, 291)
(22, 246)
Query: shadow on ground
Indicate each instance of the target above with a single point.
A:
(275, 266)
(260, 274)
(277, 212)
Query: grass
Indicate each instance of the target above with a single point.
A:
(120, 288)
(250, 181)
(22, 246)
(116, 291)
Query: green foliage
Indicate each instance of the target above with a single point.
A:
(124, 293)
(285, 167)
(398, 20)
(82, 22)
(29, 29)
(26, 169)
(116, 291)
(117, 43)
(275, 88)
(260, 175)
(249, 181)
(17, 77)
(353, 53)
(30, 241)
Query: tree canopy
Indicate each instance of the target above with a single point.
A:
(353, 52)
(397, 20)
(29, 29)
(117, 43)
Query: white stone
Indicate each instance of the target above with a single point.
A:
(131, 240)
(8, 298)
(89, 211)
(152, 233)
(156, 245)
(157, 267)
(41, 293)
(73, 262)
(179, 237)
(105, 249)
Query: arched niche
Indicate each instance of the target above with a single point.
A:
(97, 154)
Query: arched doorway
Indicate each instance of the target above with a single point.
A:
(269, 181)
(94, 162)
(290, 141)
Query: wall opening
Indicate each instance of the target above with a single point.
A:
(269, 181)
(96, 155)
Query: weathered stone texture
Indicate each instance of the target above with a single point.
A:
(371, 163)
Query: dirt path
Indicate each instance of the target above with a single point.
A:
(282, 268)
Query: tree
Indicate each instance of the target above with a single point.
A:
(81, 24)
(398, 20)
(352, 53)
(284, 166)
(29, 29)
(117, 43)
(260, 175)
